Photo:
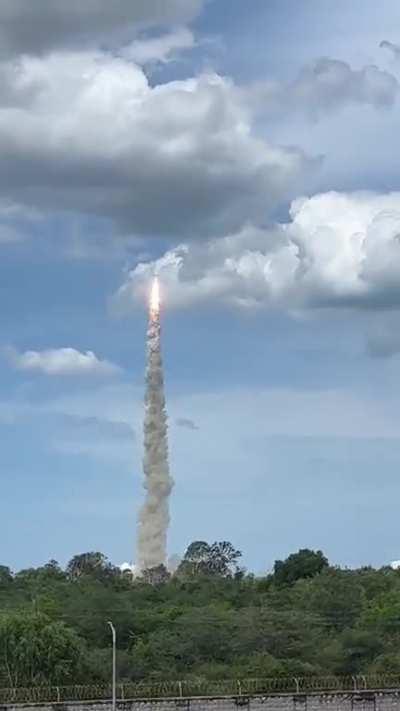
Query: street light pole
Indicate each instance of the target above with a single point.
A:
(114, 666)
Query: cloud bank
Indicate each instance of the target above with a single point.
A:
(339, 250)
(85, 131)
(36, 27)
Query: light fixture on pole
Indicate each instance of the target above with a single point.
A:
(114, 666)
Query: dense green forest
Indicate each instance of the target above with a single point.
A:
(209, 620)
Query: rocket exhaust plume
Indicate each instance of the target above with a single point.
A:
(154, 515)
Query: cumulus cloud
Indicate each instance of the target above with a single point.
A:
(115, 143)
(325, 86)
(85, 131)
(34, 27)
(338, 250)
(60, 361)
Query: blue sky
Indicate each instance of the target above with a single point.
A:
(247, 153)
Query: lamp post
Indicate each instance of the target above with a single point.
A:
(114, 666)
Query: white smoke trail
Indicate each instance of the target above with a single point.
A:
(154, 515)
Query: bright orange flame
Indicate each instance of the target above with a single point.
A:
(155, 296)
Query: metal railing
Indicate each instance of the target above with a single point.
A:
(200, 688)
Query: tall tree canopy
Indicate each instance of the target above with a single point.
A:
(219, 558)
(304, 564)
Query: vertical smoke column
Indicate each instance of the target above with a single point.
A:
(154, 515)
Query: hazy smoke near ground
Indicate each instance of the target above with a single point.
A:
(154, 515)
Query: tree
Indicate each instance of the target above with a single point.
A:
(156, 576)
(210, 623)
(220, 558)
(34, 651)
(52, 569)
(337, 596)
(304, 564)
(223, 558)
(5, 575)
(93, 564)
(359, 648)
(196, 559)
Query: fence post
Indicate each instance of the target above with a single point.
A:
(239, 687)
(122, 692)
(58, 694)
(354, 680)
(180, 689)
(296, 681)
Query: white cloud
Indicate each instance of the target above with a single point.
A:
(160, 49)
(339, 250)
(85, 131)
(61, 361)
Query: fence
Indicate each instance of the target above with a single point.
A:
(200, 688)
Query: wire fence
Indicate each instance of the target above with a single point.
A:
(200, 688)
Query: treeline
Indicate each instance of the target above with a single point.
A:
(208, 620)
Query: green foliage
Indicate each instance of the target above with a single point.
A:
(94, 564)
(208, 621)
(201, 558)
(337, 596)
(36, 651)
(156, 576)
(5, 576)
(304, 564)
(359, 649)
